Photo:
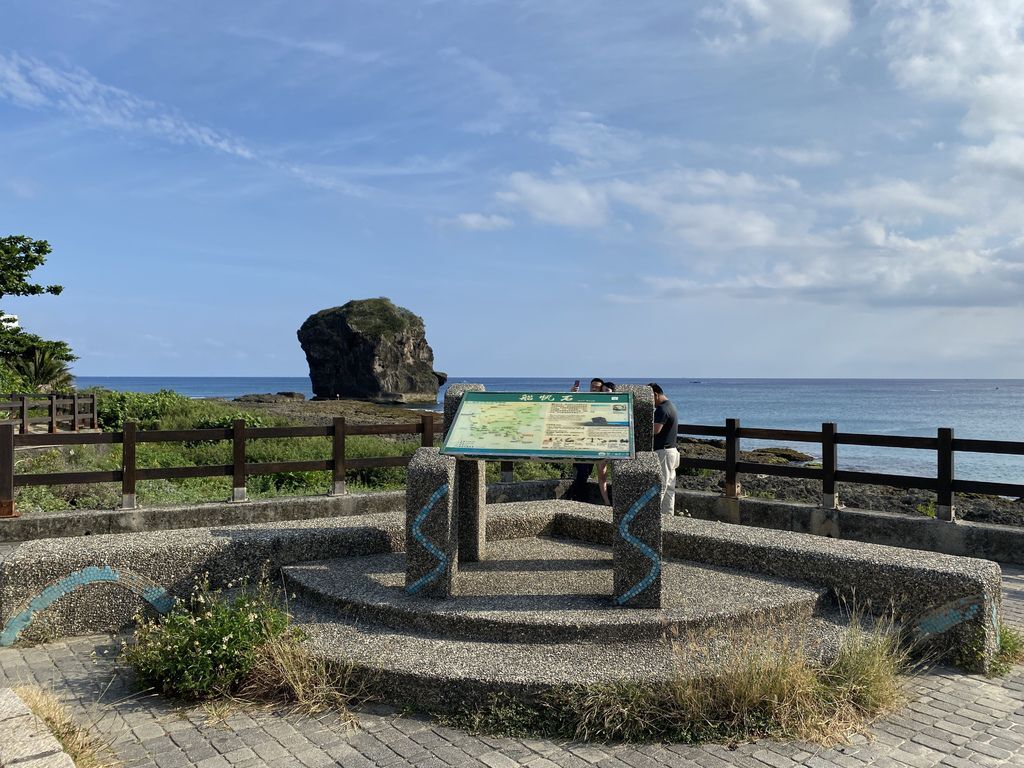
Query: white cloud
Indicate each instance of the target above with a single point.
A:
(806, 156)
(331, 49)
(895, 199)
(31, 83)
(822, 22)
(592, 141)
(1004, 155)
(509, 100)
(566, 203)
(481, 222)
(968, 52)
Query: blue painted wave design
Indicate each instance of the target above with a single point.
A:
(442, 558)
(92, 574)
(646, 551)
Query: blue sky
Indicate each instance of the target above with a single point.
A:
(739, 188)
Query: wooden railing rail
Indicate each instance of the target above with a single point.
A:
(945, 484)
(62, 411)
(239, 469)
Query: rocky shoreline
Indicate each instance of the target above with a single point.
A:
(914, 501)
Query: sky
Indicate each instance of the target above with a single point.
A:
(737, 188)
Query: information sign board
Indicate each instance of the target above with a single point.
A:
(542, 425)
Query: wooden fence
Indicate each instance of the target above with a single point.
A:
(944, 444)
(62, 412)
(944, 484)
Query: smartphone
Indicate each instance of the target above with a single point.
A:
(576, 386)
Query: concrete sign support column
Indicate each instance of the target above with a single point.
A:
(431, 526)
(636, 542)
(470, 487)
(471, 509)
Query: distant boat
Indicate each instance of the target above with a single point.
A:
(701, 382)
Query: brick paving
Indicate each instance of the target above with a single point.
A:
(954, 721)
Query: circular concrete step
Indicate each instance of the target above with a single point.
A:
(540, 590)
(439, 673)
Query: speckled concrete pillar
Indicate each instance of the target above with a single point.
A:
(636, 542)
(643, 416)
(471, 509)
(431, 527)
(452, 398)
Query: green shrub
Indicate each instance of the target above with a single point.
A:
(206, 644)
(10, 380)
(227, 420)
(146, 408)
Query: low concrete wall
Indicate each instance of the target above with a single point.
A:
(59, 587)
(1004, 543)
(948, 603)
(93, 523)
(62, 587)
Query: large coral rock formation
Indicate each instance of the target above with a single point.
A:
(370, 349)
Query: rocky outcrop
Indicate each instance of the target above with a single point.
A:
(370, 349)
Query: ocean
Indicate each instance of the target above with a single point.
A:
(976, 408)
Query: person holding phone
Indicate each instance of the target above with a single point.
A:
(578, 490)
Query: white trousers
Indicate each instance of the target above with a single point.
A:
(668, 462)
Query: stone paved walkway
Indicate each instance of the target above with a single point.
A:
(954, 720)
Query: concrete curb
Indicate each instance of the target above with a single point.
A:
(25, 740)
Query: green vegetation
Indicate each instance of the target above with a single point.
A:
(1011, 651)
(217, 645)
(927, 509)
(380, 318)
(169, 410)
(768, 688)
(206, 645)
(26, 360)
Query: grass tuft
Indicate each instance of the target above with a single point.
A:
(1011, 651)
(86, 749)
(284, 670)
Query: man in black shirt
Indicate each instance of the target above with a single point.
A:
(666, 431)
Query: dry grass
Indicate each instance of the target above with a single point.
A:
(758, 684)
(286, 671)
(85, 748)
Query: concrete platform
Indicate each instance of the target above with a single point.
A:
(549, 590)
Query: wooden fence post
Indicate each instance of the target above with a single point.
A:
(338, 455)
(238, 443)
(53, 414)
(74, 410)
(944, 508)
(7, 471)
(732, 452)
(829, 462)
(427, 422)
(24, 414)
(95, 414)
(128, 466)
